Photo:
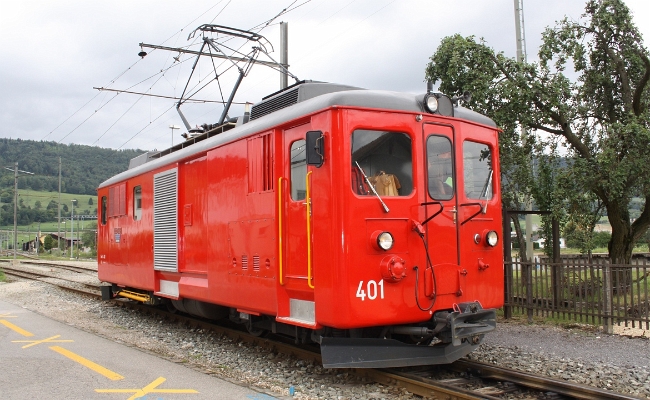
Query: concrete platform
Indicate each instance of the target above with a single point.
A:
(42, 358)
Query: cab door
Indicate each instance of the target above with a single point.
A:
(441, 197)
(296, 294)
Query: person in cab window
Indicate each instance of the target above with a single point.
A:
(440, 174)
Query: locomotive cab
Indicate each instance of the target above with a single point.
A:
(422, 261)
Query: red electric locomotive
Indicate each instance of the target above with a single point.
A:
(366, 221)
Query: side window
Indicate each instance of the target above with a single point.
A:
(386, 159)
(104, 209)
(440, 168)
(477, 166)
(137, 203)
(298, 170)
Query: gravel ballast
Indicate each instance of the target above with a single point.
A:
(579, 355)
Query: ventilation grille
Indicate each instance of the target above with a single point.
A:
(165, 220)
(244, 262)
(256, 263)
(274, 104)
(260, 164)
(117, 200)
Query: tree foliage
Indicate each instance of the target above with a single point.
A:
(587, 97)
(83, 168)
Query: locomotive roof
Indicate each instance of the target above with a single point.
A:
(347, 96)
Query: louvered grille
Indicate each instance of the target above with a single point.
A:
(244, 262)
(274, 104)
(256, 263)
(165, 220)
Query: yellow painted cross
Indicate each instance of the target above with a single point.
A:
(150, 388)
(35, 342)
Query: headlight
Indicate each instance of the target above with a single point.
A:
(431, 103)
(385, 241)
(492, 238)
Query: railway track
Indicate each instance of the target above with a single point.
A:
(461, 380)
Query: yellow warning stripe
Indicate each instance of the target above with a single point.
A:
(15, 328)
(88, 364)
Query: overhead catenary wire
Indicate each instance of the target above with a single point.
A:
(260, 26)
(89, 101)
(115, 80)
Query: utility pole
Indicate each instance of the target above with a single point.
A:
(58, 233)
(15, 208)
(284, 53)
(72, 230)
(521, 57)
(16, 170)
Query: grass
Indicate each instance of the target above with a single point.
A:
(30, 197)
(2, 276)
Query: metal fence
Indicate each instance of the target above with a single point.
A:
(598, 293)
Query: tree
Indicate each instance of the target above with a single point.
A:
(601, 117)
(90, 201)
(48, 242)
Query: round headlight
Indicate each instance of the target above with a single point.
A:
(492, 238)
(385, 241)
(431, 102)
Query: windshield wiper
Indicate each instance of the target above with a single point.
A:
(484, 194)
(372, 187)
(486, 190)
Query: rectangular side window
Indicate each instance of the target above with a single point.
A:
(137, 203)
(104, 209)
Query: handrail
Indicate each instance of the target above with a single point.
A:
(280, 233)
(308, 201)
(480, 209)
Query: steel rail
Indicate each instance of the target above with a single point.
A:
(569, 389)
(42, 278)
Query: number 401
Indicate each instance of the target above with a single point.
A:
(370, 290)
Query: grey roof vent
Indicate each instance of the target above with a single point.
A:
(294, 94)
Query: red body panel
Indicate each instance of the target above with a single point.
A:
(230, 251)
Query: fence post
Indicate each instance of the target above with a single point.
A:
(556, 267)
(507, 265)
(529, 289)
(608, 326)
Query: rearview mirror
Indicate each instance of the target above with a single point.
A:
(315, 148)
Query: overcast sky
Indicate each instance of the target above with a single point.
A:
(55, 52)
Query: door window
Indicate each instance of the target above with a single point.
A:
(298, 170)
(440, 168)
(386, 159)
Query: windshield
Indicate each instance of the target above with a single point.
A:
(477, 167)
(385, 157)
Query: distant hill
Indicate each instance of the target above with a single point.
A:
(83, 168)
